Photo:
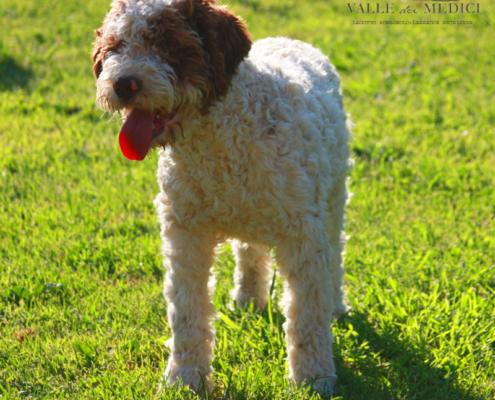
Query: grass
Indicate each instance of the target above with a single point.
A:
(81, 310)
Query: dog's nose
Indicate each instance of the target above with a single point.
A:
(126, 87)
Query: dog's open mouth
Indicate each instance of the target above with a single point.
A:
(139, 130)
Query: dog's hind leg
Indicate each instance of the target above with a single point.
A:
(253, 274)
(189, 258)
(336, 235)
(309, 305)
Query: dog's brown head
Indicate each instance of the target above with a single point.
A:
(155, 57)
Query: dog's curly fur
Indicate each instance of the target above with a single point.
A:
(255, 148)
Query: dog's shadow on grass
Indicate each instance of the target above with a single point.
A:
(406, 374)
(12, 74)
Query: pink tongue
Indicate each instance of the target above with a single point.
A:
(136, 134)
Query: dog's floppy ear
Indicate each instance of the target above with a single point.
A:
(225, 40)
(97, 54)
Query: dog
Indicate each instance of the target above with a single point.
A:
(254, 146)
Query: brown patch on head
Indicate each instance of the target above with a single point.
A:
(225, 39)
(102, 45)
(204, 43)
(173, 40)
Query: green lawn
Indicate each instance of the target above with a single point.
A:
(82, 315)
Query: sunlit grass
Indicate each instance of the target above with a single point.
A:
(82, 315)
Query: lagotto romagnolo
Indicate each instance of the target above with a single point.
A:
(254, 147)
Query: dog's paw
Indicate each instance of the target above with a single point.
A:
(324, 386)
(188, 376)
(244, 300)
(340, 309)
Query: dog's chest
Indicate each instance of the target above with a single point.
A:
(221, 183)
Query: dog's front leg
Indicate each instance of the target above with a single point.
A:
(188, 259)
(308, 306)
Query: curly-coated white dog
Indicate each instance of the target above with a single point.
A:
(255, 147)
